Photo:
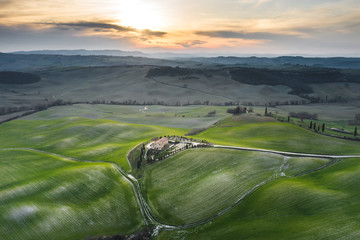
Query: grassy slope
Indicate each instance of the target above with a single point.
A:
(166, 116)
(322, 205)
(326, 112)
(261, 132)
(47, 197)
(128, 82)
(96, 140)
(199, 183)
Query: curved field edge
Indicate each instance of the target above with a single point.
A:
(320, 205)
(198, 184)
(48, 197)
(264, 133)
(94, 140)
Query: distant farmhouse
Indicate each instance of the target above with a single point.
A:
(160, 144)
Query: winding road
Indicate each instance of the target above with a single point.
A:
(150, 218)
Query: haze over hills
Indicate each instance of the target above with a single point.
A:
(36, 62)
(84, 52)
(330, 62)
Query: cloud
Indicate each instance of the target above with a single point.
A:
(151, 33)
(93, 25)
(241, 35)
(27, 38)
(107, 27)
(188, 44)
(4, 3)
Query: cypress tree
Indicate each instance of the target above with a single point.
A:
(314, 125)
(311, 124)
(355, 132)
(266, 112)
(323, 127)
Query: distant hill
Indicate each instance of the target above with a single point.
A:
(135, 80)
(117, 53)
(336, 62)
(333, 62)
(40, 62)
(83, 52)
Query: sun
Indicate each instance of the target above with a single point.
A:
(141, 15)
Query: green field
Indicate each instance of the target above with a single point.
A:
(72, 172)
(325, 112)
(264, 132)
(43, 196)
(332, 115)
(166, 116)
(321, 205)
(95, 140)
(199, 183)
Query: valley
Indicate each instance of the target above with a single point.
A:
(77, 163)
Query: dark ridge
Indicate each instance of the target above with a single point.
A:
(18, 78)
(297, 80)
(177, 71)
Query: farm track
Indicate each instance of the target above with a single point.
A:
(149, 217)
(144, 208)
(287, 153)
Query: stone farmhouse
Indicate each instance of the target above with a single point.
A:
(160, 144)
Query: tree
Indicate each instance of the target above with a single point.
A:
(315, 126)
(266, 111)
(311, 124)
(355, 132)
(323, 127)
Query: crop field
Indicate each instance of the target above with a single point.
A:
(95, 140)
(331, 90)
(80, 193)
(166, 116)
(332, 115)
(325, 112)
(199, 183)
(43, 196)
(342, 125)
(265, 133)
(321, 205)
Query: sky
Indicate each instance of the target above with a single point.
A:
(222, 27)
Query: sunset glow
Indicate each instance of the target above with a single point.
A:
(141, 15)
(235, 26)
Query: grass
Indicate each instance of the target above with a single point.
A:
(262, 132)
(332, 115)
(95, 140)
(166, 116)
(199, 183)
(328, 125)
(47, 197)
(321, 205)
(326, 112)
